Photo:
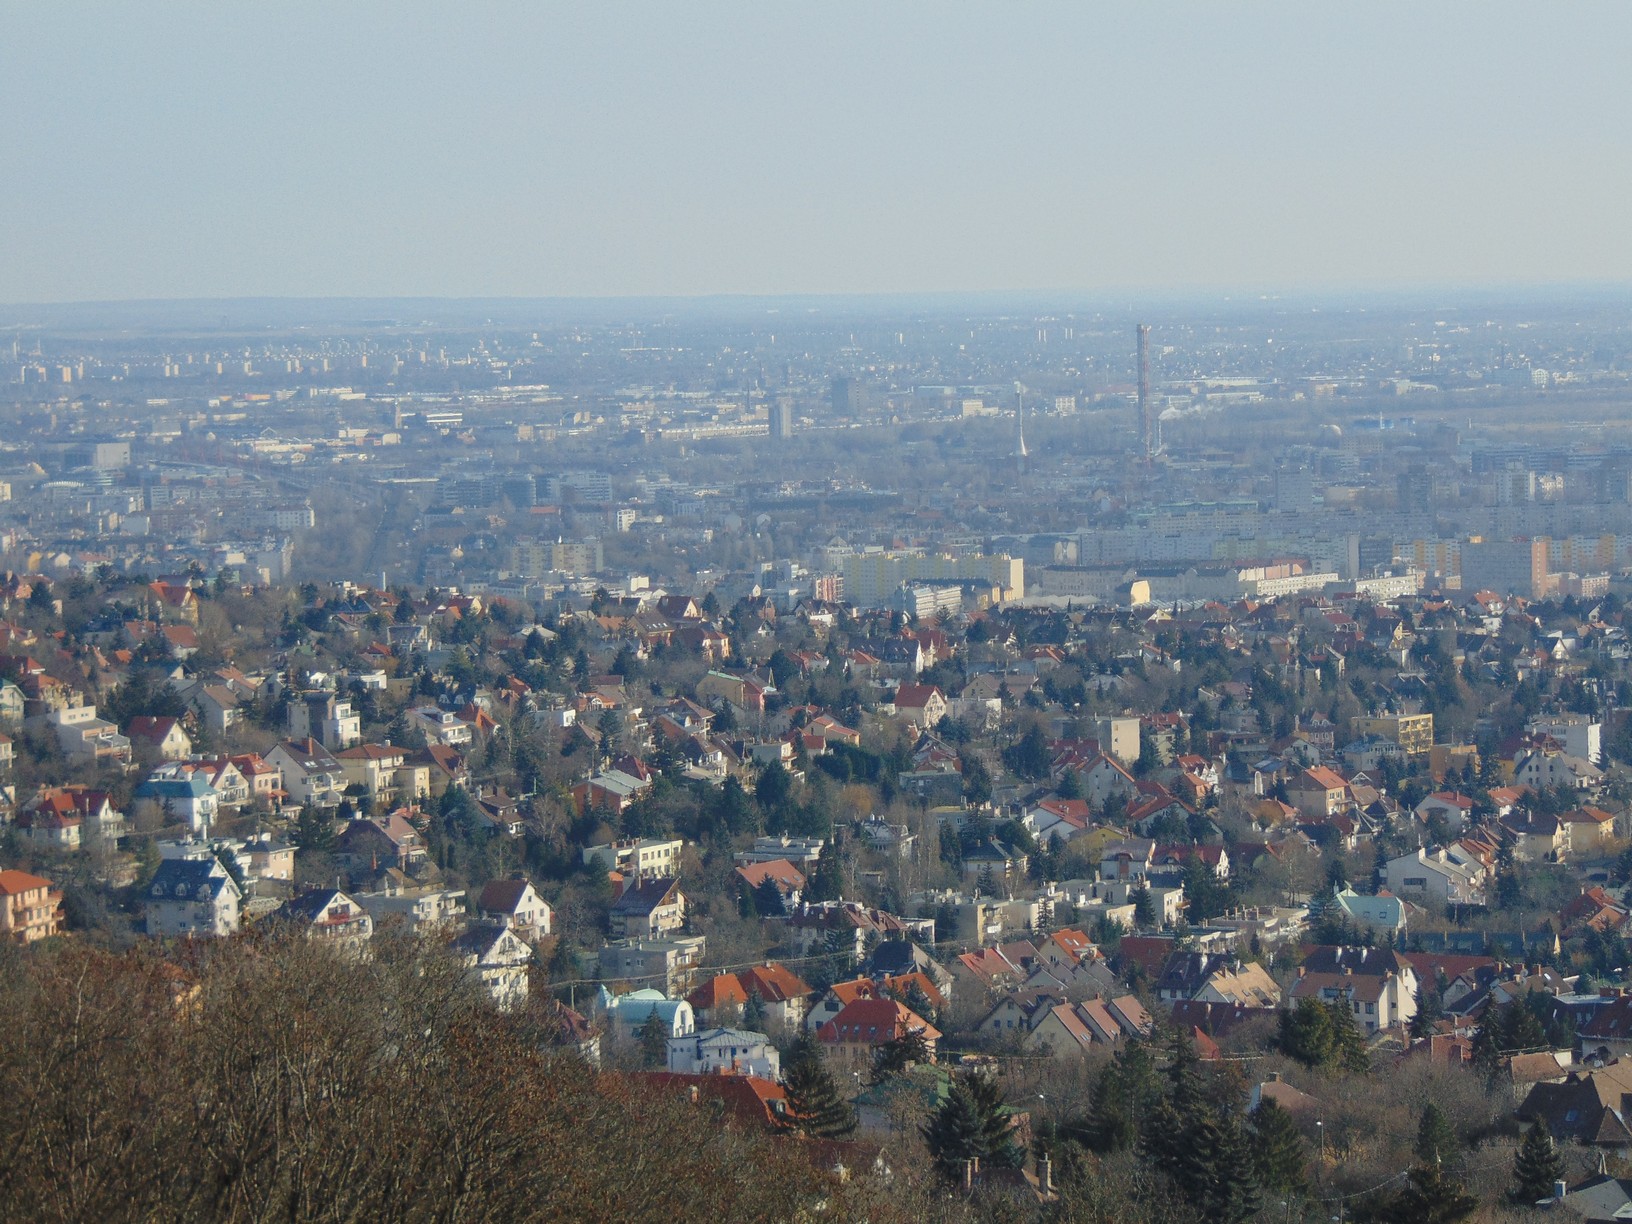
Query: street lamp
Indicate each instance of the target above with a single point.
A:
(1320, 1165)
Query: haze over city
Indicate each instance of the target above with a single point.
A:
(749, 613)
(306, 150)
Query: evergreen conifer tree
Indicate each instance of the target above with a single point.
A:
(654, 1042)
(1524, 1032)
(1216, 1171)
(996, 1123)
(1278, 1148)
(895, 1055)
(1537, 1165)
(1306, 1033)
(1348, 1042)
(815, 1106)
(314, 831)
(1488, 1041)
(1237, 1193)
(1431, 1198)
(768, 899)
(235, 869)
(753, 1013)
(955, 1133)
(919, 1001)
(1436, 1138)
(1185, 1088)
(1144, 911)
(1125, 1097)
(827, 881)
(1430, 1008)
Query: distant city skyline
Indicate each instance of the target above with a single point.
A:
(553, 151)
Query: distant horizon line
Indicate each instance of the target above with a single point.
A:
(1248, 293)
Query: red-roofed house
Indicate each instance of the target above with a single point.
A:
(163, 737)
(1588, 828)
(753, 1101)
(787, 878)
(1319, 791)
(851, 1036)
(30, 907)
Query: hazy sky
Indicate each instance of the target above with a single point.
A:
(225, 149)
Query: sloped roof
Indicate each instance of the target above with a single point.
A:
(14, 882)
(875, 1021)
(645, 896)
(502, 896)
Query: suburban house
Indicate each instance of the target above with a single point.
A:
(1437, 877)
(1073, 1028)
(310, 772)
(1588, 830)
(329, 915)
(170, 796)
(1105, 778)
(12, 703)
(1240, 985)
(163, 738)
(1128, 860)
(925, 704)
(515, 903)
(1544, 769)
(672, 962)
(1380, 913)
(438, 726)
(994, 865)
(498, 959)
(1377, 984)
(86, 739)
(1587, 1107)
(264, 779)
(1057, 819)
(266, 859)
(219, 708)
(638, 856)
(626, 1013)
(782, 875)
(379, 769)
(1319, 791)
(382, 841)
(851, 1036)
(325, 718)
(782, 994)
(1608, 1034)
(609, 791)
(1452, 807)
(68, 817)
(421, 909)
(192, 896)
(445, 767)
(720, 1051)
(649, 907)
(30, 907)
(225, 778)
